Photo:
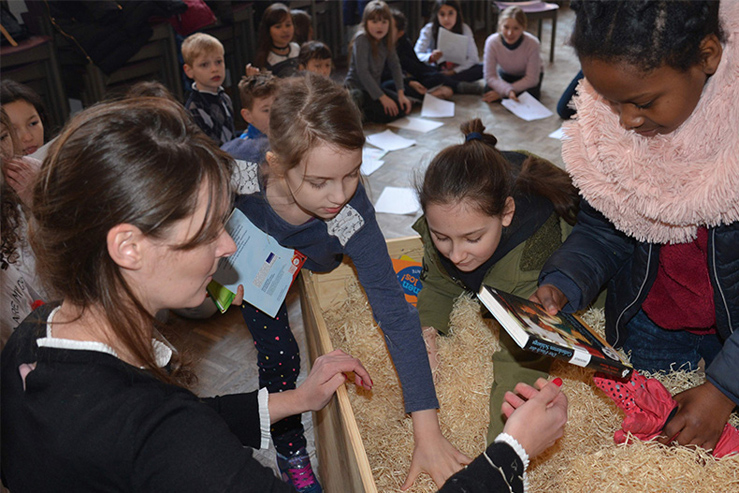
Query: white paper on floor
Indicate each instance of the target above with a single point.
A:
(416, 124)
(398, 200)
(434, 107)
(390, 141)
(527, 108)
(371, 159)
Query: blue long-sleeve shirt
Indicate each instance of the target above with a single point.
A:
(353, 232)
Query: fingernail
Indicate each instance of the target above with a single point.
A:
(557, 381)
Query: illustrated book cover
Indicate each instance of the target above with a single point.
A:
(562, 336)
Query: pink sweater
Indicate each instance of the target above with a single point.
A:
(524, 60)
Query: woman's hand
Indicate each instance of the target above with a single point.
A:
(405, 103)
(389, 105)
(512, 95)
(432, 453)
(326, 375)
(550, 297)
(702, 413)
(21, 173)
(491, 97)
(536, 418)
(435, 56)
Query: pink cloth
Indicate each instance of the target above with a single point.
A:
(648, 406)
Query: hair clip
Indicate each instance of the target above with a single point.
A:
(473, 136)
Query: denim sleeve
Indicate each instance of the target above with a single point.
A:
(725, 367)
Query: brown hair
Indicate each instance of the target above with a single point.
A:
(313, 50)
(260, 85)
(149, 89)
(303, 26)
(377, 9)
(199, 44)
(477, 172)
(458, 26)
(136, 161)
(274, 14)
(514, 13)
(12, 91)
(308, 111)
(11, 203)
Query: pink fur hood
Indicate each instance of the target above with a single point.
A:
(660, 189)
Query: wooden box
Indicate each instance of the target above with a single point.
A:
(343, 463)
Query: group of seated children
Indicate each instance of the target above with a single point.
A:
(119, 248)
(381, 53)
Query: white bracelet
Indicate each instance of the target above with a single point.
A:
(264, 419)
(518, 448)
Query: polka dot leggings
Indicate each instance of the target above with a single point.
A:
(278, 361)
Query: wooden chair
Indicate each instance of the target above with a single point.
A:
(33, 62)
(535, 11)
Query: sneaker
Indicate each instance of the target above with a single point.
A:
(297, 471)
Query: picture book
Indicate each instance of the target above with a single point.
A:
(562, 336)
(265, 268)
(409, 276)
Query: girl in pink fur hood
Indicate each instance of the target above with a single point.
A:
(654, 151)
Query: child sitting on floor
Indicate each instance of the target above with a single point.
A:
(371, 49)
(418, 77)
(512, 60)
(448, 15)
(208, 103)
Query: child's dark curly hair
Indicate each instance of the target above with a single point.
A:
(645, 33)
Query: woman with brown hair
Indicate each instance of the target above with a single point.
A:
(129, 212)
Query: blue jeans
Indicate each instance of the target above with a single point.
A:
(654, 348)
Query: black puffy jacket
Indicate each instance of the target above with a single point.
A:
(597, 253)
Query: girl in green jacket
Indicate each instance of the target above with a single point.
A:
(489, 217)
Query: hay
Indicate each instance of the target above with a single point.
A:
(584, 459)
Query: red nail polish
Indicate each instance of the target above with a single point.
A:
(557, 381)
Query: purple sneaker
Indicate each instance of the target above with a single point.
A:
(297, 471)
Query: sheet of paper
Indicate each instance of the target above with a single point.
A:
(265, 268)
(398, 200)
(370, 166)
(415, 124)
(390, 141)
(434, 107)
(527, 108)
(557, 134)
(371, 159)
(453, 45)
